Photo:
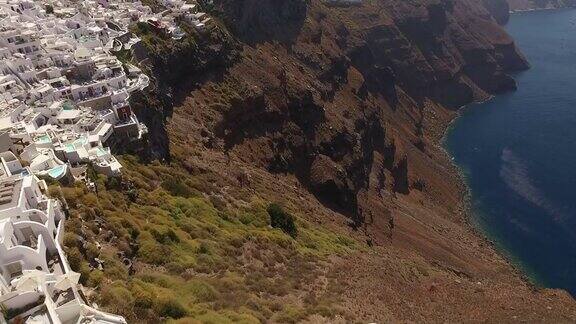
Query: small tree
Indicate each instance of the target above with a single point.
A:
(281, 219)
(49, 9)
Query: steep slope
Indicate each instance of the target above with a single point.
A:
(336, 111)
(350, 100)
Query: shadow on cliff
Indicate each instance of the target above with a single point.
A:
(258, 21)
(177, 68)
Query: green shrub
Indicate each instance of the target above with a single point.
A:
(150, 250)
(203, 248)
(203, 291)
(281, 219)
(291, 314)
(166, 236)
(177, 188)
(84, 271)
(113, 183)
(70, 240)
(197, 259)
(114, 269)
(92, 251)
(169, 307)
(95, 278)
(142, 28)
(74, 258)
(119, 299)
(143, 296)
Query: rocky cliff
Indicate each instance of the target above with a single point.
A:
(337, 109)
(340, 96)
(499, 9)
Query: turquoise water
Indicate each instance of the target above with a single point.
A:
(101, 151)
(518, 153)
(44, 139)
(69, 147)
(78, 143)
(57, 172)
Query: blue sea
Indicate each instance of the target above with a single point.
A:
(518, 153)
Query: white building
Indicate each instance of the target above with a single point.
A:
(36, 282)
(64, 97)
(60, 81)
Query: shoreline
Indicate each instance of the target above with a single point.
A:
(538, 9)
(468, 214)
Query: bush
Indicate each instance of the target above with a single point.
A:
(119, 299)
(74, 258)
(143, 297)
(291, 314)
(70, 240)
(92, 251)
(195, 259)
(204, 292)
(281, 219)
(142, 28)
(165, 237)
(95, 278)
(177, 188)
(151, 251)
(169, 307)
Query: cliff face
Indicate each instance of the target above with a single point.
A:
(499, 9)
(339, 110)
(336, 94)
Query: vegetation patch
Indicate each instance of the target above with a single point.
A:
(281, 219)
(157, 247)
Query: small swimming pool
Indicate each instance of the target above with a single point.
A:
(57, 172)
(70, 147)
(67, 106)
(44, 139)
(101, 151)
